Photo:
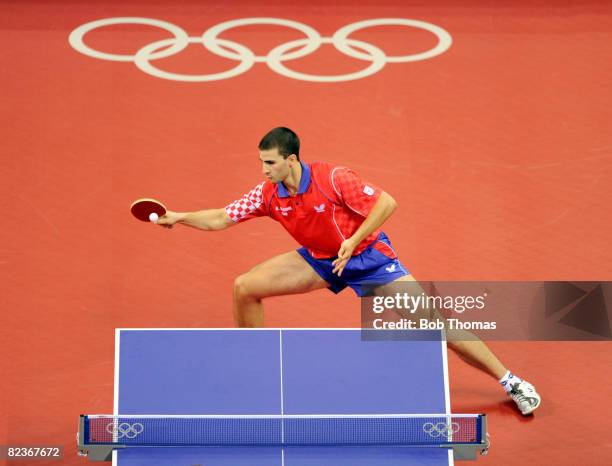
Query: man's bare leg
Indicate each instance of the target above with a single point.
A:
(473, 351)
(468, 346)
(284, 274)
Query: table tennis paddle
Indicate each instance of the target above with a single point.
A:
(142, 208)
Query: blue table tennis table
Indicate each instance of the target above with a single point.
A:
(278, 372)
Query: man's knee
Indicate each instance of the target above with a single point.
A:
(242, 286)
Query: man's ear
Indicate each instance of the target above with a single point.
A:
(292, 158)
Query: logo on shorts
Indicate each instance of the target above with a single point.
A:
(319, 208)
(391, 268)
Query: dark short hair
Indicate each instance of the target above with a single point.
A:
(283, 139)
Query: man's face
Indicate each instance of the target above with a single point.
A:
(274, 166)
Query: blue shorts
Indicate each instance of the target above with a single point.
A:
(363, 272)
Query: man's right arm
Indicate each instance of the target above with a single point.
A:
(250, 205)
(210, 219)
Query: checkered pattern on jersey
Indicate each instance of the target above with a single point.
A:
(250, 205)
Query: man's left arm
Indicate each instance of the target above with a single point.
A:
(382, 210)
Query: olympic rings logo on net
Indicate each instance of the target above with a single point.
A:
(441, 429)
(275, 58)
(125, 429)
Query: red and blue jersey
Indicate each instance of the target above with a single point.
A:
(330, 205)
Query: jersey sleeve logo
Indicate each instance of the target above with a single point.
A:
(369, 190)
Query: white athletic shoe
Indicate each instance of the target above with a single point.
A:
(525, 397)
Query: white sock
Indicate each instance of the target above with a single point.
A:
(508, 379)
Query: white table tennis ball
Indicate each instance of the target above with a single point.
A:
(153, 217)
